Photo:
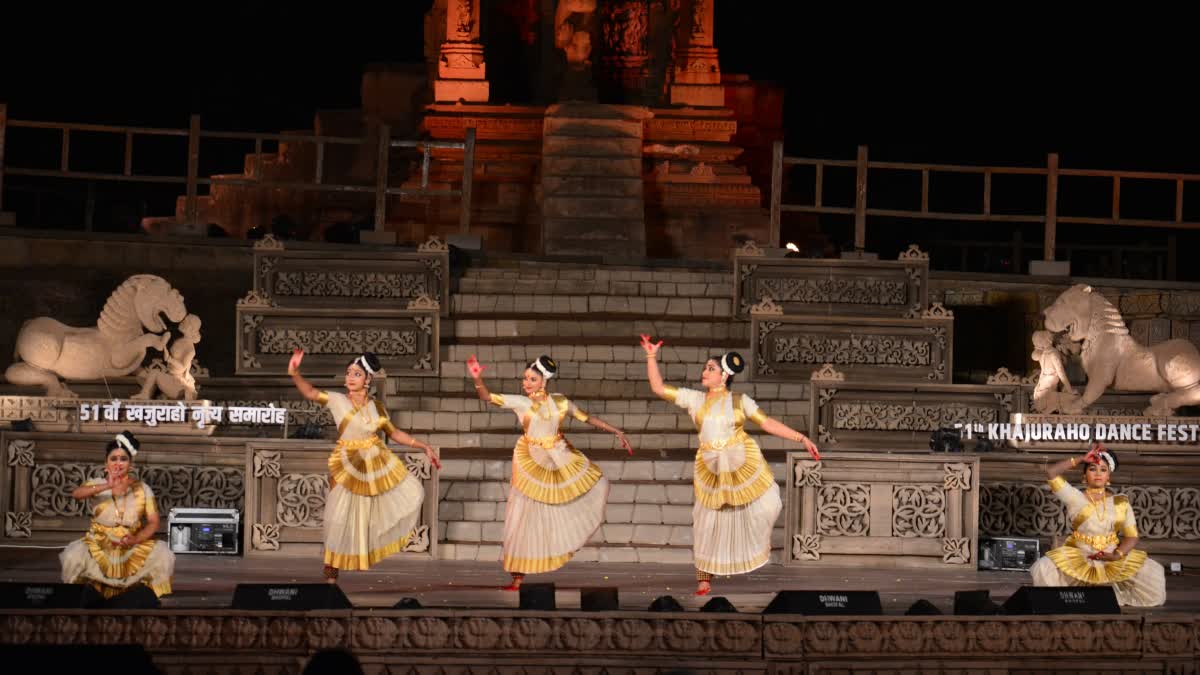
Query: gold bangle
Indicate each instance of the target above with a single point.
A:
(1074, 462)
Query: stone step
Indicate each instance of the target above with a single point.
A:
(590, 146)
(575, 127)
(624, 352)
(592, 186)
(501, 441)
(604, 167)
(571, 288)
(592, 208)
(467, 403)
(502, 422)
(533, 326)
(631, 390)
(633, 369)
(700, 307)
(571, 272)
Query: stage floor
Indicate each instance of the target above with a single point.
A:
(208, 581)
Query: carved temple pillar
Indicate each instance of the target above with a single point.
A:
(696, 80)
(461, 73)
(624, 72)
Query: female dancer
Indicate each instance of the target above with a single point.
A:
(373, 502)
(118, 552)
(558, 496)
(1094, 554)
(737, 499)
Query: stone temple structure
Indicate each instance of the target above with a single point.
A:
(604, 127)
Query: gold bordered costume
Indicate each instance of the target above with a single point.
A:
(1136, 579)
(375, 502)
(557, 499)
(736, 498)
(110, 568)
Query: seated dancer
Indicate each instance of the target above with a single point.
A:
(118, 552)
(737, 498)
(557, 499)
(373, 502)
(1100, 550)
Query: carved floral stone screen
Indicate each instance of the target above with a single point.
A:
(861, 509)
(285, 500)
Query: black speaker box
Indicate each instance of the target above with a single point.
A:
(603, 599)
(537, 596)
(825, 602)
(1063, 600)
(289, 597)
(21, 595)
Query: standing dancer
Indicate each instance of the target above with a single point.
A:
(558, 496)
(737, 499)
(373, 502)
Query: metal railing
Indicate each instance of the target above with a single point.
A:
(1049, 216)
(192, 180)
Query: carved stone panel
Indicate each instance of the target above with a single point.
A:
(285, 502)
(821, 287)
(173, 485)
(894, 416)
(406, 340)
(362, 279)
(786, 348)
(865, 509)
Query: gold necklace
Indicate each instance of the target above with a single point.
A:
(1102, 502)
(539, 404)
(117, 506)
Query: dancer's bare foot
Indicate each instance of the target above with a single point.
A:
(331, 574)
(516, 583)
(703, 588)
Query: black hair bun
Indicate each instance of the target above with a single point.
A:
(734, 362)
(547, 363)
(372, 361)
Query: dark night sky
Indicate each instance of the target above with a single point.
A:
(1106, 91)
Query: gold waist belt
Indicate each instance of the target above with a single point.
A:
(738, 437)
(1096, 541)
(361, 443)
(545, 442)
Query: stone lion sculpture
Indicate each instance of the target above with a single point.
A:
(49, 351)
(1112, 358)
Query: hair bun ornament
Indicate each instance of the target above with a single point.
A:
(369, 363)
(126, 440)
(732, 363)
(545, 365)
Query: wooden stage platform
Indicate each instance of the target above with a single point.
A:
(468, 625)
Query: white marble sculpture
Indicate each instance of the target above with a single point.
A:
(1046, 395)
(1112, 358)
(49, 352)
(173, 375)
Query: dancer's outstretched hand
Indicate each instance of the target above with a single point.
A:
(650, 347)
(624, 442)
(294, 363)
(432, 453)
(1093, 455)
(474, 367)
(811, 447)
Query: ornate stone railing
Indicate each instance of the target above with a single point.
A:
(817, 286)
(406, 340)
(39, 472)
(565, 642)
(285, 499)
(352, 279)
(787, 348)
(868, 414)
(864, 510)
